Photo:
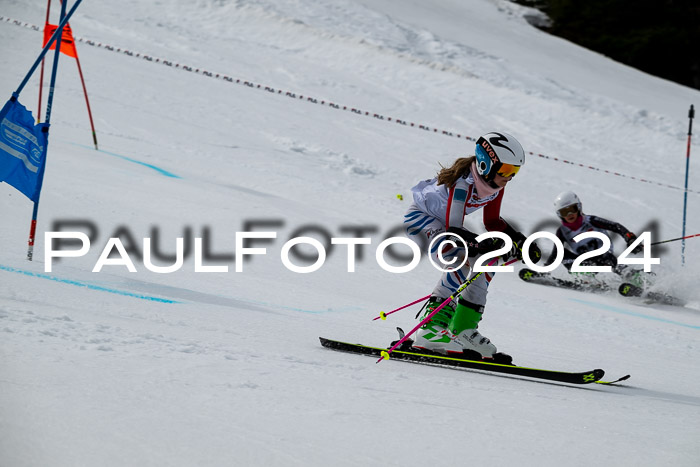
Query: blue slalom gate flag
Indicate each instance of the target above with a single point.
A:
(22, 149)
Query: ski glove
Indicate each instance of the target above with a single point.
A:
(482, 247)
(517, 250)
(630, 238)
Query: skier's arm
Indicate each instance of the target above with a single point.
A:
(492, 216)
(494, 221)
(608, 225)
(458, 195)
(613, 227)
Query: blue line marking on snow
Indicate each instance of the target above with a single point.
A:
(150, 166)
(87, 285)
(632, 313)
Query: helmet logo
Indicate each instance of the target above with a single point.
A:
(497, 142)
(489, 151)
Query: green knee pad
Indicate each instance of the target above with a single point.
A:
(467, 316)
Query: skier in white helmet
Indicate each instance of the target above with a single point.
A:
(440, 205)
(574, 222)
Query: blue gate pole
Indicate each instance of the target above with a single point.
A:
(691, 115)
(45, 127)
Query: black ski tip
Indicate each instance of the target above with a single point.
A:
(626, 377)
(329, 343)
(630, 290)
(527, 274)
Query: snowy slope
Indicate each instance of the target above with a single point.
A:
(120, 368)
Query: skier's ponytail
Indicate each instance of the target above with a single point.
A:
(449, 175)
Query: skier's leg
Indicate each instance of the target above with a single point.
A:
(434, 335)
(468, 314)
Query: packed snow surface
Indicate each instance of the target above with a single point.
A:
(117, 368)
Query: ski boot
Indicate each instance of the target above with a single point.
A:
(434, 335)
(633, 276)
(464, 326)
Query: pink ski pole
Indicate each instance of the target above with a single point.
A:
(385, 353)
(383, 315)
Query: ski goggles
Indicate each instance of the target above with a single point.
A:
(563, 212)
(504, 170)
(507, 170)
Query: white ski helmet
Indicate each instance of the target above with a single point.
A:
(498, 153)
(566, 199)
